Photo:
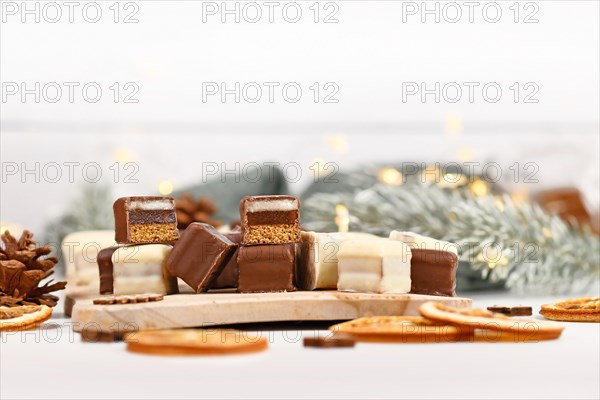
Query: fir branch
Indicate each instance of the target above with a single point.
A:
(92, 209)
(519, 244)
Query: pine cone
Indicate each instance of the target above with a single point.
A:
(189, 210)
(22, 269)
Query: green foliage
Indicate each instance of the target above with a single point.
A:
(91, 210)
(518, 245)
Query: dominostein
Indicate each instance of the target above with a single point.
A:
(270, 220)
(149, 219)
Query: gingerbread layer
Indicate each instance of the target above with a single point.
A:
(271, 234)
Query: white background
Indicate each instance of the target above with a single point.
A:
(369, 53)
(557, 369)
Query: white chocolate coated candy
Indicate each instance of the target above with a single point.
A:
(317, 266)
(142, 269)
(79, 252)
(374, 265)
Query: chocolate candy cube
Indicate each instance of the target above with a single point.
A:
(229, 276)
(149, 219)
(200, 256)
(266, 268)
(317, 264)
(433, 264)
(374, 265)
(433, 272)
(135, 269)
(270, 220)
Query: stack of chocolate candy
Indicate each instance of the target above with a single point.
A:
(261, 255)
(201, 255)
(145, 229)
(258, 257)
(358, 262)
(270, 233)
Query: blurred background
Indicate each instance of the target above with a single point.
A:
(371, 53)
(141, 98)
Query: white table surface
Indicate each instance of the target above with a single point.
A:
(53, 363)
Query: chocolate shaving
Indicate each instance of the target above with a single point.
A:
(128, 299)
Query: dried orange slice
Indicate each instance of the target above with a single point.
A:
(400, 329)
(583, 309)
(466, 318)
(23, 317)
(195, 342)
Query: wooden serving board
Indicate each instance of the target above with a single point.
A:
(211, 309)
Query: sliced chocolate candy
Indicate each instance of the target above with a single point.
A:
(266, 268)
(200, 255)
(149, 219)
(270, 220)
